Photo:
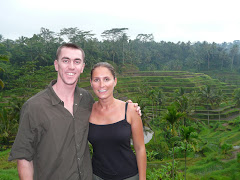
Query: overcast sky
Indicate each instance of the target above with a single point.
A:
(168, 20)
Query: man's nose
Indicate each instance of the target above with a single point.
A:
(71, 65)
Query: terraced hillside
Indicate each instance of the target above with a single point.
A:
(228, 77)
(168, 81)
(130, 83)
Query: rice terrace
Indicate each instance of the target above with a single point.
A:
(189, 94)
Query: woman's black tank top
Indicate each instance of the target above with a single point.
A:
(113, 158)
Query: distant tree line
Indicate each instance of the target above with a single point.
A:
(116, 46)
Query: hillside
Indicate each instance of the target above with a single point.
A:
(130, 84)
(219, 141)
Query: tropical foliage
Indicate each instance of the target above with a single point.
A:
(165, 78)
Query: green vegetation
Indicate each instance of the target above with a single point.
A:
(8, 170)
(211, 156)
(188, 92)
(215, 158)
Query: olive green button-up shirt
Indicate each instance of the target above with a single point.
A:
(53, 138)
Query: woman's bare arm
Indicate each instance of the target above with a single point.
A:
(138, 141)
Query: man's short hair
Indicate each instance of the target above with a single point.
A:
(69, 45)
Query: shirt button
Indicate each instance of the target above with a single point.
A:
(79, 159)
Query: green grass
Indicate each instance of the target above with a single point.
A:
(206, 168)
(8, 170)
(4, 163)
(9, 174)
(215, 169)
(213, 166)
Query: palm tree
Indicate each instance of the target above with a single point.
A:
(236, 97)
(179, 92)
(183, 104)
(220, 97)
(207, 96)
(173, 116)
(144, 111)
(8, 126)
(188, 136)
(234, 51)
(152, 96)
(160, 100)
(194, 98)
(145, 118)
(3, 58)
(15, 104)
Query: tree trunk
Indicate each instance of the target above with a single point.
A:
(173, 164)
(152, 110)
(208, 116)
(185, 162)
(219, 116)
(123, 53)
(232, 63)
(222, 64)
(113, 56)
(208, 61)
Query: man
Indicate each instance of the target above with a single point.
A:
(51, 143)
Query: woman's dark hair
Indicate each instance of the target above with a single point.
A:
(106, 65)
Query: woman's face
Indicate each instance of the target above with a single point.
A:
(103, 82)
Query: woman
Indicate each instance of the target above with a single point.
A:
(112, 123)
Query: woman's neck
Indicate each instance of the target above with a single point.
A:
(106, 103)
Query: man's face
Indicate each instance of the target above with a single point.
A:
(69, 65)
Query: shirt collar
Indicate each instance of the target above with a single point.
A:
(56, 100)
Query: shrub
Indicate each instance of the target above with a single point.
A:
(161, 148)
(211, 158)
(216, 126)
(226, 148)
(206, 149)
(151, 155)
(164, 173)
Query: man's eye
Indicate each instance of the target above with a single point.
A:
(77, 62)
(65, 61)
(95, 80)
(106, 79)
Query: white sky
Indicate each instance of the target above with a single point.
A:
(168, 20)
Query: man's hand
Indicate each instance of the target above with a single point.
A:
(138, 108)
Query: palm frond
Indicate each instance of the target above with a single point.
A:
(1, 84)
(4, 57)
